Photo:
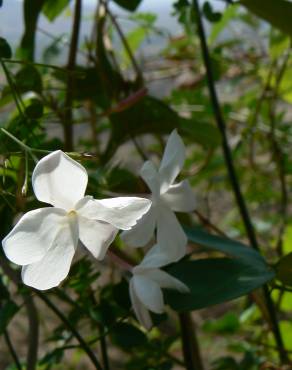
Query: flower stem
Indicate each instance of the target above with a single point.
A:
(233, 176)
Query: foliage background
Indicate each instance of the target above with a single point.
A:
(109, 93)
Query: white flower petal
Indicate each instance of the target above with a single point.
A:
(121, 212)
(172, 161)
(59, 180)
(148, 293)
(150, 175)
(33, 235)
(170, 235)
(55, 265)
(156, 257)
(180, 197)
(141, 312)
(96, 236)
(141, 233)
(165, 280)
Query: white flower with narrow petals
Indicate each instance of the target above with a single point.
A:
(44, 240)
(145, 285)
(167, 198)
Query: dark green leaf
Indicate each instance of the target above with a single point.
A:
(35, 109)
(213, 281)
(210, 14)
(7, 311)
(28, 79)
(5, 50)
(278, 13)
(227, 246)
(53, 8)
(284, 270)
(31, 12)
(151, 115)
(130, 5)
(128, 336)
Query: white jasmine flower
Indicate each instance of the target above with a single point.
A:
(145, 285)
(167, 198)
(44, 240)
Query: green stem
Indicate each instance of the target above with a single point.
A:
(233, 176)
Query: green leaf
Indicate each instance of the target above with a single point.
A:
(227, 246)
(227, 324)
(28, 78)
(31, 12)
(7, 311)
(34, 109)
(210, 14)
(5, 50)
(151, 115)
(130, 5)
(228, 16)
(134, 39)
(213, 281)
(53, 8)
(202, 133)
(128, 336)
(284, 270)
(278, 13)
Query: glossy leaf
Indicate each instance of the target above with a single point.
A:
(213, 281)
(229, 247)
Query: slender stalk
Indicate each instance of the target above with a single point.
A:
(33, 335)
(12, 350)
(119, 30)
(190, 345)
(68, 115)
(71, 327)
(233, 176)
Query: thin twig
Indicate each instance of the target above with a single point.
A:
(12, 350)
(233, 176)
(135, 65)
(71, 327)
(33, 335)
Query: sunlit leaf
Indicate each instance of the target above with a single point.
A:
(53, 8)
